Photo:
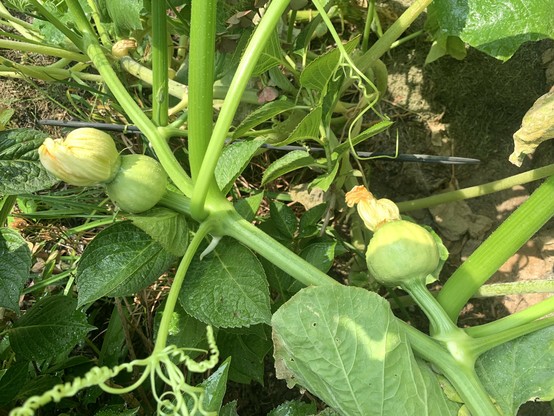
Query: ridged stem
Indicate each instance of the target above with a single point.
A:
(515, 231)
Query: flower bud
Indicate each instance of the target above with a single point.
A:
(85, 157)
(123, 47)
(374, 212)
(401, 252)
(139, 185)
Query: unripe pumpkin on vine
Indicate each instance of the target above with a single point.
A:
(401, 251)
(139, 184)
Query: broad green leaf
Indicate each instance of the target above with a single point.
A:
(52, 325)
(328, 412)
(496, 27)
(230, 409)
(167, 227)
(284, 218)
(307, 129)
(446, 45)
(262, 114)
(120, 261)
(321, 254)
(283, 129)
(325, 181)
(228, 288)
(294, 408)
(15, 266)
(366, 134)
(214, 389)
(13, 380)
(37, 386)
(114, 340)
(125, 14)
(331, 96)
(5, 116)
(248, 207)
(271, 55)
(70, 363)
(233, 161)
(317, 73)
(20, 170)
(117, 410)
(297, 159)
(22, 6)
(520, 370)
(49, 32)
(184, 330)
(439, 404)
(247, 352)
(281, 282)
(281, 81)
(310, 219)
(345, 346)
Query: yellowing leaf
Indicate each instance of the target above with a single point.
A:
(537, 126)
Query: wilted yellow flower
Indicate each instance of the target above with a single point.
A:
(85, 157)
(374, 212)
(123, 47)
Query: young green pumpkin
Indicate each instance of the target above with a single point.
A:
(88, 157)
(139, 184)
(400, 252)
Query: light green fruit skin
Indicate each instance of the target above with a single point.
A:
(401, 252)
(139, 184)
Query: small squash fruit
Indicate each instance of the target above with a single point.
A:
(139, 185)
(400, 252)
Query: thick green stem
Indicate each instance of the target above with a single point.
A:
(483, 344)
(201, 80)
(463, 378)
(177, 89)
(160, 98)
(25, 29)
(96, 55)
(176, 202)
(233, 225)
(205, 177)
(368, 21)
(49, 74)
(6, 205)
(406, 38)
(516, 288)
(180, 274)
(495, 250)
(228, 222)
(102, 32)
(514, 320)
(42, 49)
(478, 190)
(441, 325)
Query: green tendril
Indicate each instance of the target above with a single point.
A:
(164, 364)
